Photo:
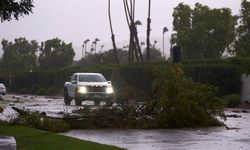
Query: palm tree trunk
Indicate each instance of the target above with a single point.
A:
(95, 48)
(163, 45)
(134, 48)
(82, 50)
(85, 54)
(138, 45)
(136, 35)
(112, 33)
(148, 31)
(130, 42)
(129, 16)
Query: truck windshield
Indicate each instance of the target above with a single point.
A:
(91, 78)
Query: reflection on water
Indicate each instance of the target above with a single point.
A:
(183, 139)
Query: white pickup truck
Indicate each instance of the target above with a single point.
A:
(88, 86)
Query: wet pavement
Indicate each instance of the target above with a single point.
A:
(235, 136)
(52, 105)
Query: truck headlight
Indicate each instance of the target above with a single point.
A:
(109, 90)
(82, 89)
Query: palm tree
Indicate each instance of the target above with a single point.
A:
(128, 16)
(112, 33)
(142, 44)
(148, 30)
(138, 22)
(102, 46)
(134, 44)
(165, 29)
(82, 49)
(96, 41)
(92, 48)
(86, 42)
(155, 43)
(124, 47)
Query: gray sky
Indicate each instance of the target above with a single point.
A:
(76, 20)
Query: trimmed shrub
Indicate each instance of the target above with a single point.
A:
(232, 100)
(226, 77)
(242, 64)
(52, 91)
(41, 91)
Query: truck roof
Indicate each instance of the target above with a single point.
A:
(79, 73)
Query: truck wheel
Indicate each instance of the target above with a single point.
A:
(78, 102)
(67, 99)
(77, 98)
(97, 102)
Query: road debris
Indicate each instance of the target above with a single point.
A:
(233, 116)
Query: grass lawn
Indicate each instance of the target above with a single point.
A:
(31, 139)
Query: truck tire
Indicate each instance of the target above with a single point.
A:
(67, 99)
(97, 102)
(78, 101)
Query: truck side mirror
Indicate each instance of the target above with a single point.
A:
(74, 82)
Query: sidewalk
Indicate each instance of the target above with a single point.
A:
(7, 143)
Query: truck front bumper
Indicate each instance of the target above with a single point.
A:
(95, 96)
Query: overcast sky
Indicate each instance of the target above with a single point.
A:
(76, 20)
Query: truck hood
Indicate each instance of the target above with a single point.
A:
(94, 83)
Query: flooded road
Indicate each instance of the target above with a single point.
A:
(237, 136)
(218, 138)
(52, 105)
(30, 103)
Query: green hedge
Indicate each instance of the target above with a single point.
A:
(242, 64)
(232, 100)
(134, 81)
(40, 82)
(137, 77)
(226, 77)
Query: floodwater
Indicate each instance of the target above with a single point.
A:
(214, 138)
(51, 105)
(234, 138)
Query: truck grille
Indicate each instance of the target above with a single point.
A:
(96, 89)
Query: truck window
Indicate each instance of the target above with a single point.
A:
(91, 78)
(74, 78)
